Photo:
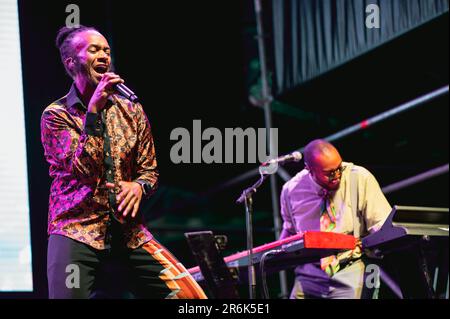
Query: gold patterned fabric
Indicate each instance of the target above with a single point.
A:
(78, 146)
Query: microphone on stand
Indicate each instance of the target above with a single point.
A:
(292, 157)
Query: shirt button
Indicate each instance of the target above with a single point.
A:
(109, 172)
(107, 153)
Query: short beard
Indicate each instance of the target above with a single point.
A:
(82, 70)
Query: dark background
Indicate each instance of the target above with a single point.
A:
(198, 60)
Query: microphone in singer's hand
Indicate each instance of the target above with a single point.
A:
(126, 92)
(123, 89)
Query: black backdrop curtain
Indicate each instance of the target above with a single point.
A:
(311, 37)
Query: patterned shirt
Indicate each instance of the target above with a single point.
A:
(87, 150)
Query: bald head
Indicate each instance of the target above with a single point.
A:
(321, 153)
(322, 160)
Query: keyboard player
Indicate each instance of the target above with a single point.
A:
(337, 196)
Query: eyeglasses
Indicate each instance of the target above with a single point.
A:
(332, 174)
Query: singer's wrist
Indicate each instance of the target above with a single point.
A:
(96, 104)
(94, 108)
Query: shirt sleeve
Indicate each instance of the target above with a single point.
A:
(146, 165)
(373, 203)
(288, 223)
(68, 151)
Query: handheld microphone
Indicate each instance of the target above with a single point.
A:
(292, 157)
(123, 89)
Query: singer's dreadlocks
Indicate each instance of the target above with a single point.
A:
(64, 42)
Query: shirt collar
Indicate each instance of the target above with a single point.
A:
(73, 97)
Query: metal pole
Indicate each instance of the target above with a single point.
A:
(415, 179)
(390, 113)
(352, 129)
(267, 97)
(251, 266)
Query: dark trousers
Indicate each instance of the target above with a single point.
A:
(76, 270)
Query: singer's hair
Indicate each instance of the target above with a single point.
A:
(316, 147)
(64, 43)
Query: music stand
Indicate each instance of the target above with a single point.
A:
(216, 273)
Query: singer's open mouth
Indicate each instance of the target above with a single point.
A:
(101, 69)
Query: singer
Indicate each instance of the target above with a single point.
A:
(332, 195)
(102, 161)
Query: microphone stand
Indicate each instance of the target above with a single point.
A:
(246, 197)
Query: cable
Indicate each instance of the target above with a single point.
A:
(263, 272)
